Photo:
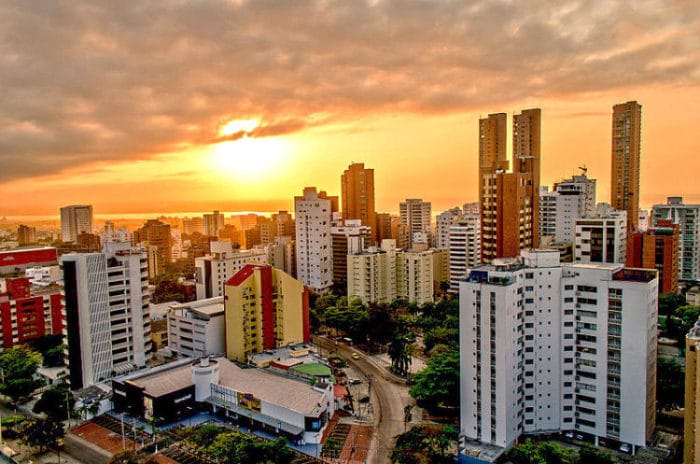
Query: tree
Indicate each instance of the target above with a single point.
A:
(205, 435)
(235, 448)
(670, 384)
(17, 368)
(400, 350)
(53, 403)
(590, 455)
(438, 383)
(543, 452)
(43, 434)
(668, 302)
(680, 322)
(425, 444)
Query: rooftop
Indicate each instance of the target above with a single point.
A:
(208, 307)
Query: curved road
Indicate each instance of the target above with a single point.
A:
(389, 397)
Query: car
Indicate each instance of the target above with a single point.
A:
(569, 434)
(356, 356)
(354, 381)
(625, 448)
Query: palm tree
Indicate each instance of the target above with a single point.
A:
(400, 350)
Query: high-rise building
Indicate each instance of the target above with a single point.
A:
(107, 314)
(75, 220)
(348, 236)
(357, 194)
(380, 275)
(691, 433)
(193, 225)
(548, 347)
(383, 227)
(265, 308)
(213, 223)
(626, 143)
(26, 235)
(314, 254)
(688, 219)
(281, 254)
(601, 238)
(156, 239)
(213, 270)
(416, 214)
(28, 311)
(571, 199)
(509, 200)
(443, 222)
(657, 248)
(465, 248)
(372, 274)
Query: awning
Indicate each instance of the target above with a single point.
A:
(256, 416)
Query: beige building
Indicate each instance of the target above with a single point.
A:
(384, 274)
(691, 437)
(264, 308)
(357, 194)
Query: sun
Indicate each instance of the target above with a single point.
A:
(250, 160)
(238, 125)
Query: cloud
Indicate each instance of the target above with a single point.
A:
(87, 81)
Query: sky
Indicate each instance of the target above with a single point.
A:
(238, 105)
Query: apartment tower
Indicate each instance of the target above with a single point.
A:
(509, 200)
(75, 220)
(357, 194)
(626, 138)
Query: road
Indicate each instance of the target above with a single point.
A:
(389, 397)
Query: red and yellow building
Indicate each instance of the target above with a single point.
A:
(264, 308)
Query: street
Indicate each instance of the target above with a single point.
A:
(389, 397)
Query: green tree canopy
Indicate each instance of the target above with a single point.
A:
(400, 351)
(439, 381)
(542, 452)
(425, 444)
(590, 455)
(17, 368)
(41, 433)
(670, 384)
(55, 403)
(668, 302)
(236, 447)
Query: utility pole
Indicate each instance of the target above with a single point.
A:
(123, 436)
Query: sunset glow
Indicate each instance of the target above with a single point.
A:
(238, 126)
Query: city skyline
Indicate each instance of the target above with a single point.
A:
(240, 105)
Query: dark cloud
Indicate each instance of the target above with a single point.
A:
(86, 81)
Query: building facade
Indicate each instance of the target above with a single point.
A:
(212, 271)
(691, 433)
(75, 219)
(314, 253)
(156, 239)
(348, 236)
(602, 238)
(464, 247)
(657, 248)
(265, 308)
(688, 219)
(548, 347)
(415, 214)
(571, 199)
(28, 311)
(357, 194)
(196, 329)
(509, 201)
(443, 222)
(626, 144)
(106, 299)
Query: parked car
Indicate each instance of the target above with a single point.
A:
(354, 381)
(356, 356)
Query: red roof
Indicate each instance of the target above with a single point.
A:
(242, 275)
(340, 391)
(28, 256)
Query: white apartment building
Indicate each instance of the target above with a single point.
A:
(347, 236)
(314, 254)
(212, 271)
(548, 347)
(372, 274)
(688, 218)
(416, 214)
(601, 238)
(382, 275)
(570, 199)
(75, 220)
(464, 247)
(443, 222)
(196, 329)
(281, 254)
(414, 276)
(107, 312)
(213, 223)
